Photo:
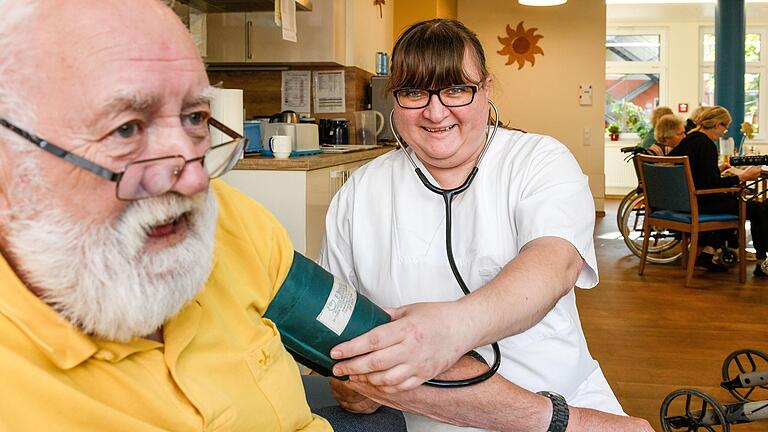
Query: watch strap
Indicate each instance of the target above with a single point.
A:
(559, 420)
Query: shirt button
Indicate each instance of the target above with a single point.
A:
(104, 355)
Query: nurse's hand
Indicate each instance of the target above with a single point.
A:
(423, 340)
(350, 399)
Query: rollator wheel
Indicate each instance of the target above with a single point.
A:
(729, 257)
(689, 409)
(744, 361)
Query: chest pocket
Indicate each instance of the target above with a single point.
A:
(277, 376)
(556, 322)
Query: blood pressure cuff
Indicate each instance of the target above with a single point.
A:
(315, 312)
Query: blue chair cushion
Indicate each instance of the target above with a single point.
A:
(686, 217)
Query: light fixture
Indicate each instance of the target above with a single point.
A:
(541, 2)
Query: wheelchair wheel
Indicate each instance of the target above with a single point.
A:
(746, 361)
(664, 246)
(624, 205)
(689, 409)
(729, 256)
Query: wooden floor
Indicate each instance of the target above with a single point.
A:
(653, 335)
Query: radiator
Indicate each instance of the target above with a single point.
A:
(620, 176)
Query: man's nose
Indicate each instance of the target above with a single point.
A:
(193, 180)
(194, 177)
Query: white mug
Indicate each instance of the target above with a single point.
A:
(281, 146)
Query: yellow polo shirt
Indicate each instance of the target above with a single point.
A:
(222, 366)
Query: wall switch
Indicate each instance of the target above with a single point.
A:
(585, 94)
(587, 136)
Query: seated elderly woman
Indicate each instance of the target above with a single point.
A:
(701, 149)
(669, 131)
(693, 120)
(657, 114)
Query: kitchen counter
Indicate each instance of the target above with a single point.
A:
(309, 163)
(299, 190)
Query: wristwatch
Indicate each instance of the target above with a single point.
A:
(559, 420)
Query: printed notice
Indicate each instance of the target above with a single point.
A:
(339, 307)
(295, 91)
(288, 19)
(329, 91)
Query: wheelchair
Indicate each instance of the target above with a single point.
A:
(664, 246)
(745, 376)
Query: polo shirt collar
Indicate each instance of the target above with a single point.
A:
(65, 345)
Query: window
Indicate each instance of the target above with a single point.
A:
(634, 77)
(754, 71)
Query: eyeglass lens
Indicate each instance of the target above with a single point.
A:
(454, 96)
(148, 178)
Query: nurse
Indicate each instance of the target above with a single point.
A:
(522, 239)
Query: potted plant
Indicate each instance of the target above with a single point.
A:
(613, 131)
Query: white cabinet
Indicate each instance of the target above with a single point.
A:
(253, 37)
(226, 41)
(299, 199)
(343, 32)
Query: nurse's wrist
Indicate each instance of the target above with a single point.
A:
(479, 323)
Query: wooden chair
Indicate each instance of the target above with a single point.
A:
(671, 203)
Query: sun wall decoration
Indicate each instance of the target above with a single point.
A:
(520, 45)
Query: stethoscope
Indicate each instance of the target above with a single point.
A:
(448, 195)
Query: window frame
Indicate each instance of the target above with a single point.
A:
(759, 68)
(661, 67)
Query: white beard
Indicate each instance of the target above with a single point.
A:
(100, 277)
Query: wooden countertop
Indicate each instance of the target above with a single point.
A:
(308, 163)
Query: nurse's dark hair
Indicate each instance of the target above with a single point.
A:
(429, 54)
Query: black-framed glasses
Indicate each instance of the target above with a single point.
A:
(452, 96)
(149, 177)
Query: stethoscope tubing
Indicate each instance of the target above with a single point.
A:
(448, 195)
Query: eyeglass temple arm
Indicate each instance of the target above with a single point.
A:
(64, 154)
(222, 127)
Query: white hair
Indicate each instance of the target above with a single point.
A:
(12, 103)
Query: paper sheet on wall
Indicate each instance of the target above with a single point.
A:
(295, 91)
(328, 88)
(288, 18)
(278, 18)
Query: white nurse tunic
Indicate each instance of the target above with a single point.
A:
(385, 234)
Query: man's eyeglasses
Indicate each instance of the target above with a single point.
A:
(451, 96)
(150, 177)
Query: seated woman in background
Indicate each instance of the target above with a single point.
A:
(701, 150)
(669, 131)
(658, 113)
(693, 120)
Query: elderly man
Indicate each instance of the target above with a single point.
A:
(131, 293)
